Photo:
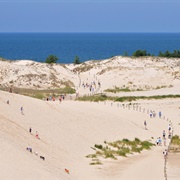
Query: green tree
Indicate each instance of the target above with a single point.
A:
(176, 54)
(167, 54)
(51, 59)
(77, 60)
(139, 53)
(161, 54)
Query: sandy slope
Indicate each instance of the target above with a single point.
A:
(68, 130)
(146, 73)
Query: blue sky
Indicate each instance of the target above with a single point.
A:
(89, 15)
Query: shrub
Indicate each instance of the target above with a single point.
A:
(121, 153)
(51, 59)
(139, 53)
(137, 140)
(175, 140)
(136, 149)
(146, 145)
(77, 60)
(98, 146)
(96, 163)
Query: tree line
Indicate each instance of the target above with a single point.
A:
(139, 53)
(53, 59)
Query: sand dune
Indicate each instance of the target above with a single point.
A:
(146, 73)
(68, 130)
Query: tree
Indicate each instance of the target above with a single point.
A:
(77, 60)
(161, 54)
(139, 53)
(51, 59)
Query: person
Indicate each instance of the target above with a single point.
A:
(160, 141)
(29, 149)
(145, 124)
(157, 141)
(164, 134)
(169, 135)
(37, 135)
(160, 114)
(150, 114)
(22, 110)
(30, 130)
(169, 127)
(164, 141)
(165, 154)
(7, 101)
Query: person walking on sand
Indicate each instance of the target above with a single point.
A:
(160, 141)
(157, 141)
(165, 154)
(151, 115)
(7, 101)
(145, 125)
(164, 134)
(164, 140)
(169, 127)
(169, 135)
(22, 110)
(30, 130)
(37, 135)
(160, 114)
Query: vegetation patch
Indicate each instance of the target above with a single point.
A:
(121, 148)
(117, 89)
(175, 144)
(3, 59)
(95, 98)
(127, 89)
(103, 97)
(83, 68)
(40, 94)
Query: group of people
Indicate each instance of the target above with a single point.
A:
(30, 149)
(153, 114)
(36, 135)
(165, 152)
(91, 86)
(160, 140)
(30, 131)
(52, 98)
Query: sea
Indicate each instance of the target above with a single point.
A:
(87, 46)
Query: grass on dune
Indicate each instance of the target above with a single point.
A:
(40, 94)
(175, 140)
(116, 90)
(175, 144)
(118, 148)
(103, 97)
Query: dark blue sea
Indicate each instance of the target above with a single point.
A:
(87, 46)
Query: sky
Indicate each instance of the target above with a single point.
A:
(89, 15)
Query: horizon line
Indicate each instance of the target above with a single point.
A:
(87, 32)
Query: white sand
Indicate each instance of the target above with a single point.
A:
(68, 130)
